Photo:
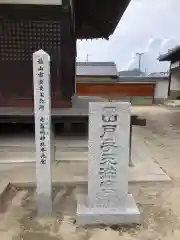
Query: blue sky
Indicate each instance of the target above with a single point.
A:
(143, 22)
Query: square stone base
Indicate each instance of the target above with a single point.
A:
(126, 213)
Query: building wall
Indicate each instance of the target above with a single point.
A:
(175, 81)
(83, 101)
(141, 101)
(160, 94)
(94, 79)
(16, 82)
(140, 93)
(115, 89)
(175, 85)
(161, 90)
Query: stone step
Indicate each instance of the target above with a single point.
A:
(62, 144)
(29, 143)
(18, 157)
(32, 149)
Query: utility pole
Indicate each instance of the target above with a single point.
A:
(87, 57)
(140, 58)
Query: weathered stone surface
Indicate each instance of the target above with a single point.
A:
(43, 135)
(126, 213)
(108, 201)
(108, 151)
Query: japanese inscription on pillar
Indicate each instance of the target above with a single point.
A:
(109, 125)
(108, 159)
(43, 114)
(43, 124)
(42, 108)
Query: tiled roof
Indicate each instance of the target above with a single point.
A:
(97, 18)
(96, 69)
(159, 74)
(143, 78)
(171, 54)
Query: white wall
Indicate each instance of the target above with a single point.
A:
(161, 89)
(175, 81)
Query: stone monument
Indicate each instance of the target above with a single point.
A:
(108, 201)
(43, 134)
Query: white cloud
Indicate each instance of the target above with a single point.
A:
(143, 20)
(149, 63)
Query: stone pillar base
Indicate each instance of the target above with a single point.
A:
(126, 213)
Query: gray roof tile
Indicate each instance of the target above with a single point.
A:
(96, 69)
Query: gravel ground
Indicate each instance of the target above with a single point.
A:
(159, 203)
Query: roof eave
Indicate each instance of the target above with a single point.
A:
(164, 58)
(169, 56)
(92, 30)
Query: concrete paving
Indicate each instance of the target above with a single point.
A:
(17, 161)
(158, 202)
